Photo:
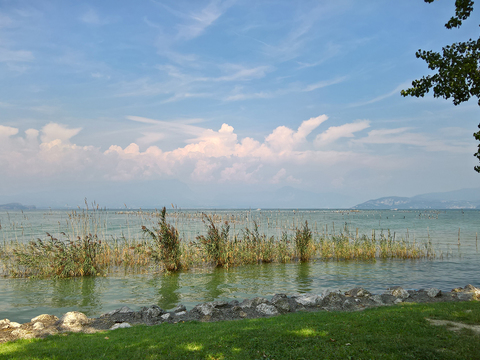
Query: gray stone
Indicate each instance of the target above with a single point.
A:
(398, 301)
(179, 308)
(121, 326)
(333, 299)
(433, 292)
(166, 316)
(181, 313)
(398, 292)
(266, 309)
(282, 303)
(308, 300)
(205, 309)
(252, 303)
(358, 292)
(152, 312)
(219, 304)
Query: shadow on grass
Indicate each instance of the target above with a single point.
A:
(398, 332)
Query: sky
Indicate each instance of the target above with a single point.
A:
(233, 103)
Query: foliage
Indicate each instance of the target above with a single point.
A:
(56, 258)
(303, 242)
(216, 241)
(458, 67)
(167, 243)
(393, 332)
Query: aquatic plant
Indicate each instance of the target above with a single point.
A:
(303, 242)
(166, 243)
(215, 242)
(57, 258)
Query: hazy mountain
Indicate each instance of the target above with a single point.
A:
(458, 199)
(16, 206)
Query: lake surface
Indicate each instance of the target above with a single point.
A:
(455, 265)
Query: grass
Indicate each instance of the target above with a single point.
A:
(396, 332)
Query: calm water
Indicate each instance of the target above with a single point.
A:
(22, 299)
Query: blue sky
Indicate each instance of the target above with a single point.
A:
(226, 97)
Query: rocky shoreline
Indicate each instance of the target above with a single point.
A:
(353, 300)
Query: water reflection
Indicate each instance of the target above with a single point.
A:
(168, 291)
(303, 279)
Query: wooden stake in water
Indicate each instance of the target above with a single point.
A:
(458, 236)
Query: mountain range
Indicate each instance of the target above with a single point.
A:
(458, 199)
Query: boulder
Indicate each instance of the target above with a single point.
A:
(179, 308)
(398, 292)
(358, 292)
(205, 309)
(73, 321)
(120, 326)
(283, 303)
(308, 300)
(266, 309)
(253, 303)
(45, 319)
(433, 292)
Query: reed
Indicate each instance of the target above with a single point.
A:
(85, 251)
(166, 243)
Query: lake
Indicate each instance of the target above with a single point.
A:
(455, 265)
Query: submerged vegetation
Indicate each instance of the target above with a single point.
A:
(84, 249)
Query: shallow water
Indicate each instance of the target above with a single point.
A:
(22, 299)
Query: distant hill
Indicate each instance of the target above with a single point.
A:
(458, 199)
(16, 206)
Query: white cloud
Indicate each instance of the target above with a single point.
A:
(336, 132)
(54, 131)
(7, 131)
(285, 156)
(323, 84)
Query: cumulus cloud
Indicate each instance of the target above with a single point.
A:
(284, 156)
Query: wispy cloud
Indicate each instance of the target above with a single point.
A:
(325, 83)
(396, 91)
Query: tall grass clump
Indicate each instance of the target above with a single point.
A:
(166, 243)
(303, 242)
(216, 242)
(57, 258)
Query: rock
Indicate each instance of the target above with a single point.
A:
(73, 321)
(266, 309)
(398, 292)
(333, 299)
(152, 312)
(358, 292)
(45, 319)
(242, 314)
(252, 303)
(23, 334)
(120, 326)
(179, 308)
(181, 313)
(433, 292)
(166, 316)
(219, 304)
(38, 326)
(467, 293)
(308, 300)
(205, 309)
(398, 301)
(7, 324)
(282, 303)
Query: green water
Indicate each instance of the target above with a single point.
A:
(22, 299)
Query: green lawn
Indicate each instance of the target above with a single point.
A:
(396, 332)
